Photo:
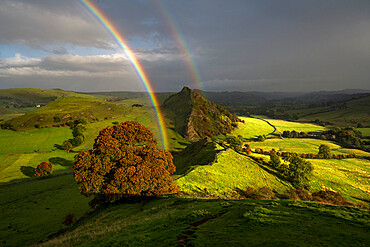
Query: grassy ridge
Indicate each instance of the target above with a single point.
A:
(228, 173)
(30, 212)
(191, 222)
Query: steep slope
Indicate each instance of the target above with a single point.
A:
(195, 117)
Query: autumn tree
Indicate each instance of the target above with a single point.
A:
(44, 169)
(125, 162)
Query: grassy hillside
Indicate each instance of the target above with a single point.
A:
(228, 173)
(356, 111)
(282, 125)
(350, 177)
(192, 222)
(67, 109)
(32, 211)
(252, 128)
(33, 95)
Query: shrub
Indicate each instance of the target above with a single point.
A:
(43, 169)
(69, 219)
(274, 160)
(67, 146)
(324, 151)
(235, 143)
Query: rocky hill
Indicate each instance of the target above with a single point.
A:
(195, 117)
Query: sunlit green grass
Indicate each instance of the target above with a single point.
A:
(41, 140)
(282, 125)
(350, 177)
(229, 172)
(20, 167)
(252, 128)
(303, 145)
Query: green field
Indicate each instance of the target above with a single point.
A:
(364, 131)
(15, 168)
(252, 128)
(41, 140)
(282, 125)
(350, 177)
(228, 173)
(197, 222)
(32, 211)
(303, 145)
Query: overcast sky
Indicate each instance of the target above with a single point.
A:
(237, 45)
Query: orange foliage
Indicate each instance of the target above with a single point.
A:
(43, 169)
(125, 162)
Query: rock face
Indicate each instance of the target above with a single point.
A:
(195, 117)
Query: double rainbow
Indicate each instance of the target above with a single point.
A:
(181, 43)
(108, 25)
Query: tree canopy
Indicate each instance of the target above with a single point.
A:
(324, 151)
(125, 162)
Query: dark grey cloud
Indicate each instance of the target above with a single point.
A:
(238, 45)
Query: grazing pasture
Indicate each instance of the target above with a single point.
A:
(282, 125)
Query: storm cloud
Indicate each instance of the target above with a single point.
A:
(237, 45)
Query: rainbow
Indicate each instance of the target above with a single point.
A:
(181, 44)
(108, 25)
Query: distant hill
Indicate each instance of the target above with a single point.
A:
(66, 109)
(195, 117)
(351, 112)
(29, 97)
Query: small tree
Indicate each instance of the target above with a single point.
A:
(125, 162)
(43, 169)
(274, 160)
(67, 146)
(324, 151)
(261, 138)
(234, 142)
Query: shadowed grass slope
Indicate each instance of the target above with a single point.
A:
(32, 211)
(192, 222)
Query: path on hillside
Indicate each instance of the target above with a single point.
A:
(273, 126)
(34, 179)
